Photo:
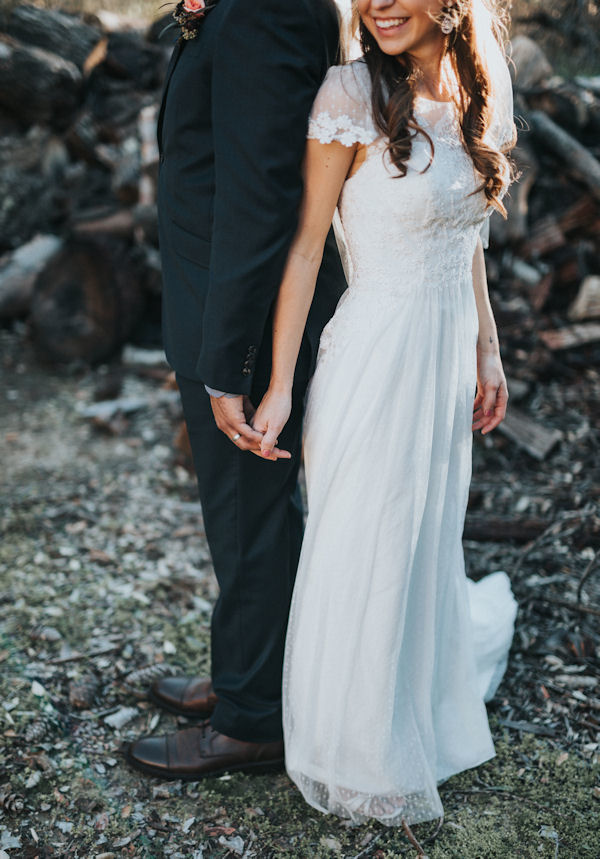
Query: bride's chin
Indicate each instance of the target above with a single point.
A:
(392, 48)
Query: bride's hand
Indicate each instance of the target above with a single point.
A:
(270, 418)
(489, 408)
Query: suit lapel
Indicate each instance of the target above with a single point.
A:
(170, 69)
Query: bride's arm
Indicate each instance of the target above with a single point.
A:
(489, 408)
(325, 169)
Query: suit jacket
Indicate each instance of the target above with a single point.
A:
(231, 133)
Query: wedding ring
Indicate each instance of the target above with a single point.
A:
(236, 436)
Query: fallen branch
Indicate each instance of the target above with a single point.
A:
(75, 657)
(551, 530)
(571, 335)
(528, 727)
(576, 158)
(19, 271)
(586, 575)
(573, 606)
(482, 528)
(38, 86)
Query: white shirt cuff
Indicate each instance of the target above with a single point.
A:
(214, 393)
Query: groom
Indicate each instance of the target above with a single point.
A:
(231, 133)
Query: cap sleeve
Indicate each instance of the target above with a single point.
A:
(342, 107)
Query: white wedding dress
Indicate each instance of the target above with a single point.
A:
(391, 651)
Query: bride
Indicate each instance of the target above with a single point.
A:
(391, 652)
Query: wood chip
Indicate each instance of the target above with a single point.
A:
(571, 335)
(529, 434)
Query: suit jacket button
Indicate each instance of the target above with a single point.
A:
(246, 371)
(162, 158)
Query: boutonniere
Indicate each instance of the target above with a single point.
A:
(189, 15)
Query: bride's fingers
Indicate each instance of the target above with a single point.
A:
(269, 440)
(493, 422)
(499, 410)
(490, 390)
(478, 418)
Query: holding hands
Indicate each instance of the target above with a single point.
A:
(236, 417)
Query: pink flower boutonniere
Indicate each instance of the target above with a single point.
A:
(189, 15)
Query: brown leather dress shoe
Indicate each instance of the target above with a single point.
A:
(199, 751)
(186, 696)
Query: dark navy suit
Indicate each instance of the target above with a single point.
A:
(231, 131)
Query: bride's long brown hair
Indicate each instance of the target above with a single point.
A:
(393, 93)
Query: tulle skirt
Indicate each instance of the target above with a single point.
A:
(391, 652)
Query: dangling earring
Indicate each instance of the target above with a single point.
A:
(447, 25)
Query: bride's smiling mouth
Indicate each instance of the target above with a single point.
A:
(390, 26)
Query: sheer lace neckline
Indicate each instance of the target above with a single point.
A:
(440, 117)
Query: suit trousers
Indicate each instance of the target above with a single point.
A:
(252, 510)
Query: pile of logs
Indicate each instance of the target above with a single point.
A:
(544, 260)
(78, 165)
(78, 160)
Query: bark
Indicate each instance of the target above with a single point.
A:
(85, 301)
(54, 31)
(37, 86)
(18, 272)
(574, 156)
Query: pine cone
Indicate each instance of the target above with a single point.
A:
(11, 802)
(40, 632)
(138, 681)
(38, 729)
(82, 692)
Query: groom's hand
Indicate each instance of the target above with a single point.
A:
(232, 416)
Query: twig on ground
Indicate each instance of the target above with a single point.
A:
(528, 727)
(552, 529)
(436, 832)
(574, 606)
(586, 574)
(74, 657)
(368, 847)
(411, 837)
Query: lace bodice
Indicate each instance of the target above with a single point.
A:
(425, 219)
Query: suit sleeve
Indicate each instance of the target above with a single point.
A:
(268, 65)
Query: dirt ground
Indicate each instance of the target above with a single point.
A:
(104, 571)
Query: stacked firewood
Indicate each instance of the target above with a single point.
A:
(544, 260)
(78, 165)
(78, 106)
